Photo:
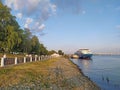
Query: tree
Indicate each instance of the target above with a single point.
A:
(14, 39)
(60, 52)
(35, 45)
(8, 29)
(18, 46)
(43, 50)
(26, 41)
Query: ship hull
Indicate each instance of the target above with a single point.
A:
(85, 56)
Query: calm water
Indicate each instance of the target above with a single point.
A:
(103, 70)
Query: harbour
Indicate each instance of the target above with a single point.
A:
(102, 69)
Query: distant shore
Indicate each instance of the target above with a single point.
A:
(53, 74)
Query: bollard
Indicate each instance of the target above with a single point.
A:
(31, 59)
(36, 58)
(39, 58)
(24, 59)
(15, 60)
(2, 62)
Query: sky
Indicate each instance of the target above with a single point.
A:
(69, 25)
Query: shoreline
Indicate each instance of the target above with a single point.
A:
(53, 74)
(80, 70)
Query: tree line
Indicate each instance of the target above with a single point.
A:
(15, 39)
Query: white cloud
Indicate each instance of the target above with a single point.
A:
(26, 26)
(19, 15)
(28, 22)
(37, 10)
(30, 7)
(16, 4)
(41, 27)
(53, 8)
(38, 26)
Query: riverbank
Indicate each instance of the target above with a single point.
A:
(54, 74)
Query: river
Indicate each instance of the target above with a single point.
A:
(103, 70)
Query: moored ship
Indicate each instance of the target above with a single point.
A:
(84, 53)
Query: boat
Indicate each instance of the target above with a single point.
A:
(84, 53)
(74, 56)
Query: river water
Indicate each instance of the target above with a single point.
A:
(103, 70)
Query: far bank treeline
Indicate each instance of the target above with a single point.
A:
(15, 39)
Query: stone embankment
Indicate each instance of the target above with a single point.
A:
(54, 74)
(70, 77)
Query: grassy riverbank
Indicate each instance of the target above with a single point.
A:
(54, 74)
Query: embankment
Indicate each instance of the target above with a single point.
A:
(54, 74)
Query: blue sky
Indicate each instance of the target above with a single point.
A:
(71, 24)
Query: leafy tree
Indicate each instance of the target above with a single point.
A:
(43, 50)
(60, 52)
(8, 35)
(35, 45)
(14, 39)
(18, 46)
(26, 41)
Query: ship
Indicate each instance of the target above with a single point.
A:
(84, 54)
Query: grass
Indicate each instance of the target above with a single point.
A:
(52, 74)
(28, 73)
(34, 74)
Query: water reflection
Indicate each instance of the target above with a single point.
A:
(86, 64)
(103, 70)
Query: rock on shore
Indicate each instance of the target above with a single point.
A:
(70, 76)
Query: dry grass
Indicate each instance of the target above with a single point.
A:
(54, 74)
(12, 75)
